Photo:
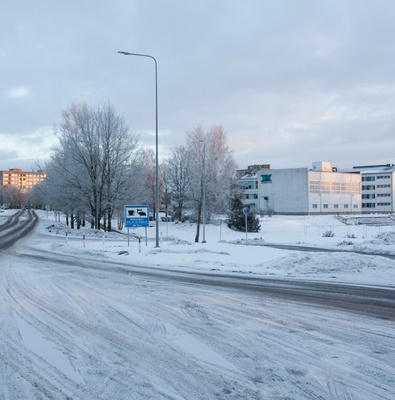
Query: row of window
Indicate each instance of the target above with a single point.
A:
(372, 178)
(250, 196)
(374, 195)
(373, 205)
(333, 187)
(335, 206)
(247, 184)
(373, 187)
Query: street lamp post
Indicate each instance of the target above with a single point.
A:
(156, 143)
(204, 192)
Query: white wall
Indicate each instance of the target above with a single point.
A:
(338, 193)
(287, 191)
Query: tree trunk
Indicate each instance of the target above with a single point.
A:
(109, 219)
(198, 218)
(104, 221)
(199, 211)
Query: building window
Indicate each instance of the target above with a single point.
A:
(248, 184)
(369, 196)
(368, 178)
(336, 206)
(315, 205)
(355, 205)
(383, 186)
(325, 205)
(383, 194)
(345, 205)
(383, 204)
(368, 187)
(368, 205)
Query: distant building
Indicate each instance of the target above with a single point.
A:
(378, 187)
(301, 191)
(251, 169)
(23, 180)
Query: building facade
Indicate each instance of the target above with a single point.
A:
(301, 191)
(378, 188)
(23, 180)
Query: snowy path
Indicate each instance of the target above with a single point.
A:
(82, 333)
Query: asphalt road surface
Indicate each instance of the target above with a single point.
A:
(75, 328)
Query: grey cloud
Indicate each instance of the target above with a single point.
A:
(281, 77)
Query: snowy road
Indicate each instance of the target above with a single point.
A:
(93, 330)
(16, 227)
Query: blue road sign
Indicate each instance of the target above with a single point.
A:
(136, 216)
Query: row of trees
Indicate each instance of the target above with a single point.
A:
(98, 166)
(12, 197)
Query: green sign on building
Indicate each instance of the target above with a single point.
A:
(266, 178)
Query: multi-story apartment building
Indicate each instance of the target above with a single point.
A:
(378, 188)
(21, 179)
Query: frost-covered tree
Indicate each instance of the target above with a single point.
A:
(93, 162)
(210, 171)
(12, 196)
(176, 176)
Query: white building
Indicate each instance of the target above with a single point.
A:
(319, 190)
(378, 188)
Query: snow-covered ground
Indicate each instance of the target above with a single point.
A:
(74, 325)
(228, 251)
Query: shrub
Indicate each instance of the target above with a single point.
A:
(236, 220)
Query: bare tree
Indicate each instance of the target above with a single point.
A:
(176, 172)
(93, 159)
(117, 148)
(210, 170)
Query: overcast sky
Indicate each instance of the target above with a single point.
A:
(291, 81)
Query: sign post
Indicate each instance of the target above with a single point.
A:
(246, 211)
(137, 217)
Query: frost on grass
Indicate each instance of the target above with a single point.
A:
(59, 228)
(250, 242)
(175, 240)
(65, 249)
(382, 243)
(385, 238)
(321, 265)
(197, 251)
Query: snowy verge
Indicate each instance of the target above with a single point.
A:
(230, 252)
